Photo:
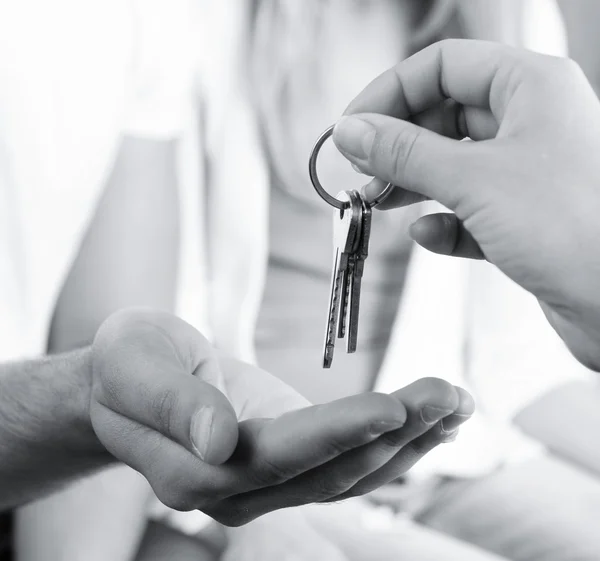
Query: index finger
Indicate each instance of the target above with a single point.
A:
(461, 70)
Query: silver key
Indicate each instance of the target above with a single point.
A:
(356, 201)
(355, 279)
(345, 227)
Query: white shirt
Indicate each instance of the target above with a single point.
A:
(128, 67)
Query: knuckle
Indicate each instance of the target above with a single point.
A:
(424, 444)
(271, 473)
(325, 488)
(162, 408)
(335, 446)
(399, 149)
(390, 441)
(355, 491)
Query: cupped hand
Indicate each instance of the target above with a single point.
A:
(525, 190)
(159, 404)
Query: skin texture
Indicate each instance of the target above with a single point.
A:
(151, 373)
(141, 386)
(529, 176)
(281, 454)
(43, 421)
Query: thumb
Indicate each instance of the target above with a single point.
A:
(158, 371)
(404, 154)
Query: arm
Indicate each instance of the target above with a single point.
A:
(152, 379)
(567, 421)
(129, 254)
(43, 420)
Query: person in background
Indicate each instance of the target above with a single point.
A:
(254, 126)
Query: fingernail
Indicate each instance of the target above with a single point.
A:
(200, 431)
(381, 427)
(431, 415)
(450, 437)
(354, 137)
(450, 424)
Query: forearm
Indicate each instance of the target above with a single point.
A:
(567, 421)
(129, 254)
(46, 438)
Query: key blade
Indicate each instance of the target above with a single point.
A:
(345, 228)
(360, 257)
(337, 273)
(345, 295)
(357, 210)
(354, 305)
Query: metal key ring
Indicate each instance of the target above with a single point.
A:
(314, 178)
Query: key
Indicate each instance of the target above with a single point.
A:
(354, 198)
(359, 257)
(345, 226)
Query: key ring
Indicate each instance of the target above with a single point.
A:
(314, 178)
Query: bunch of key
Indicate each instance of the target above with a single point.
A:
(351, 232)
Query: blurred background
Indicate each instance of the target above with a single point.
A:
(153, 152)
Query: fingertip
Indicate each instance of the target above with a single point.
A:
(431, 392)
(434, 233)
(354, 137)
(416, 231)
(463, 412)
(466, 403)
(373, 189)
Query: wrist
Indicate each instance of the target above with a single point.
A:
(45, 430)
(78, 402)
(70, 429)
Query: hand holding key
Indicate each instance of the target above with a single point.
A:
(351, 235)
(524, 191)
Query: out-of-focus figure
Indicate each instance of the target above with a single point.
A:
(161, 156)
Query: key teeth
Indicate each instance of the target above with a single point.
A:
(328, 356)
(343, 306)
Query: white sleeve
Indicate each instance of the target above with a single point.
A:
(161, 95)
(514, 355)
